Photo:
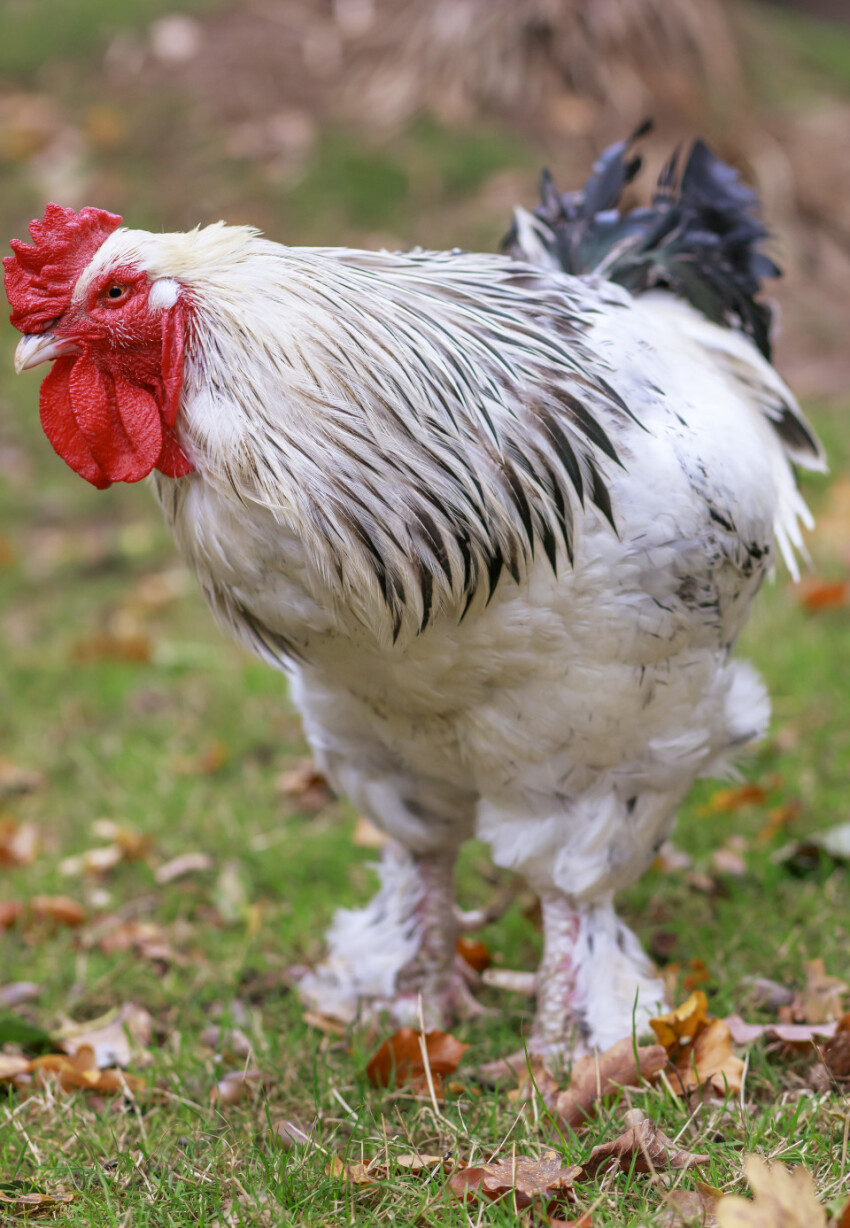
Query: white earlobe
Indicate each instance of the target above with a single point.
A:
(164, 294)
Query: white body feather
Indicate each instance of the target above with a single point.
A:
(564, 719)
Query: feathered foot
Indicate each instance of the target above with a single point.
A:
(594, 985)
(381, 959)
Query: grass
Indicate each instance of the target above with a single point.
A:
(186, 744)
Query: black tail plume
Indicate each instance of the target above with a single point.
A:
(699, 238)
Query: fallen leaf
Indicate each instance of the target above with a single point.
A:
(146, 938)
(18, 993)
(822, 999)
(669, 859)
(528, 1180)
(81, 1073)
(357, 1174)
(596, 1076)
(690, 1208)
(306, 785)
(237, 1086)
(19, 842)
(366, 835)
(815, 594)
(415, 1164)
(709, 1062)
(400, 1057)
(681, 1024)
(179, 867)
(230, 1042)
(473, 953)
(15, 779)
(791, 1033)
(289, 1135)
(10, 913)
(778, 819)
(699, 1047)
(836, 1051)
(121, 1037)
(132, 648)
(644, 1146)
(29, 1204)
(769, 995)
(58, 909)
(782, 1199)
(727, 801)
(11, 1066)
(212, 760)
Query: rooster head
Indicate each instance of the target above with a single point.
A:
(115, 336)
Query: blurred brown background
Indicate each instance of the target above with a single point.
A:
(396, 122)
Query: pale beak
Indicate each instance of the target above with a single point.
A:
(34, 348)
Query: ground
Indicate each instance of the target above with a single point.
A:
(119, 694)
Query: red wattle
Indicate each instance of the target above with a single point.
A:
(60, 425)
(120, 420)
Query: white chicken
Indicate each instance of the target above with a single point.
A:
(499, 518)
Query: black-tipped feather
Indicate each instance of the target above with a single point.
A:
(699, 238)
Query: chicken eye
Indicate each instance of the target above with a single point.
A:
(116, 292)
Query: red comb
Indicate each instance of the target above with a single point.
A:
(41, 275)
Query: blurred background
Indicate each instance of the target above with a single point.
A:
(369, 123)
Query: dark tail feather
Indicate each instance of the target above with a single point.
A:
(700, 237)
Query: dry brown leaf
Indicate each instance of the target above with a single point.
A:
(366, 835)
(146, 938)
(19, 842)
(415, 1164)
(237, 1086)
(36, 1204)
(597, 1076)
(474, 953)
(289, 1134)
(683, 1023)
(81, 1073)
(357, 1174)
(782, 1199)
(527, 1180)
(643, 1145)
(179, 867)
(400, 1057)
(778, 819)
(131, 647)
(15, 779)
(209, 762)
(583, 1221)
(822, 999)
(58, 909)
(709, 1062)
(306, 785)
(728, 861)
(691, 1208)
(727, 801)
(815, 594)
(232, 1043)
(836, 1052)
(10, 913)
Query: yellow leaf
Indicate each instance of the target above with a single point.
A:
(683, 1023)
(782, 1200)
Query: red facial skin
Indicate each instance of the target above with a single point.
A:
(109, 406)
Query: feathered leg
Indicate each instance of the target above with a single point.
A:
(595, 985)
(401, 946)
